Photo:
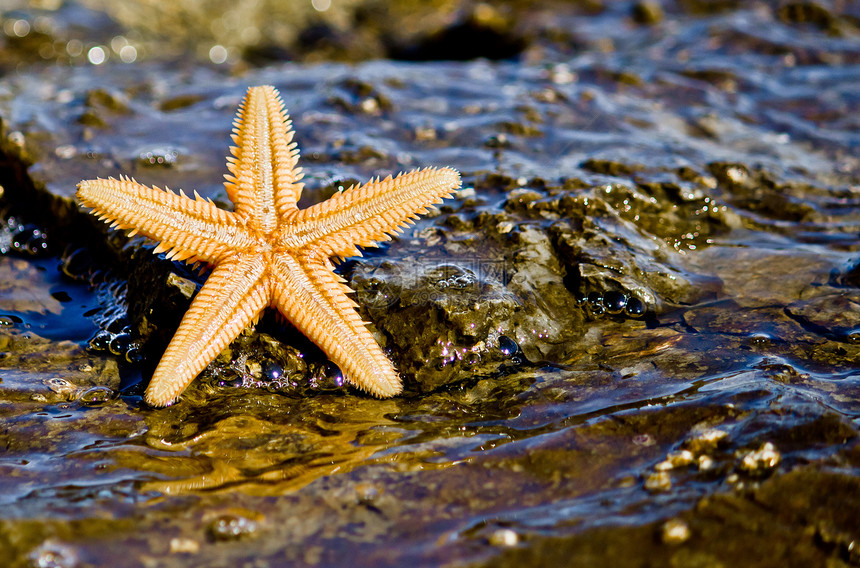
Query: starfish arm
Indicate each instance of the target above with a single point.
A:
(313, 298)
(191, 229)
(233, 297)
(264, 175)
(370, 213)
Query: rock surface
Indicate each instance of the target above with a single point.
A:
(632, 339)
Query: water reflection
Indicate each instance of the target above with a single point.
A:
(242, 451)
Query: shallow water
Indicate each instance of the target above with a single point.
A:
(716, 180)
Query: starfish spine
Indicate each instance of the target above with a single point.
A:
(266, 252)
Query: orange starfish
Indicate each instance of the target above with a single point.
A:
(267, 252)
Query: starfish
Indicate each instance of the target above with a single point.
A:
(267, 252)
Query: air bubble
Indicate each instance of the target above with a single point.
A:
(37, 243)
(100, 341)
(76, 265)
(508, 346)
(28, 239)
(328, 377)
(759, 340)
(96, 395)
(53, 554)
(232, 379)
(615, 302)
(118, 325)
(231, 527)
(272, 371)
(134, 353)
(120, 343)
(635, 307)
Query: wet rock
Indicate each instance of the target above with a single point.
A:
(849, 276)
(484, 31)
(607, 167)
(515, 288)
(813, 13)
(706, 441)
(801, 274)
(612, 170)
(647, 12)
(466, 305)
(588, 237)
(835, 316)
(361, 97)
(769, 325)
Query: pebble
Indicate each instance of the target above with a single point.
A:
(675, 531)
(658, 481)
(765, 458)
(504, 537)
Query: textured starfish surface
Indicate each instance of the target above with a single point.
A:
(267, 252)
